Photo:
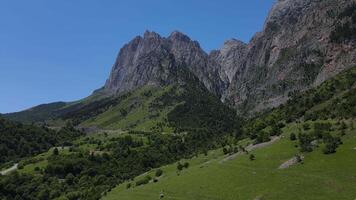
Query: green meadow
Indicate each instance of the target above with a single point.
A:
(319, 176)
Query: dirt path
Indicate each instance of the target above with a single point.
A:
(251, 147)
(6, 171)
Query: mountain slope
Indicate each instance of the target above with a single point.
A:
(322, 137)
(302, 44)
(183, 104)
(35, 114)
(18, 140)
(295, 51)
(240, 178)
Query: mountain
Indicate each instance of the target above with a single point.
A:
(165, 125)
(151, 59)
(302, 44)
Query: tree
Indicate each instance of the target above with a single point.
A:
(263, 136)
(293, 137)
(332, 143)
(55, 152)
(70, 179)
(305, 142)
(179, 166)
(225, 151)
(306, 126)
(159, 172)
(128, 186)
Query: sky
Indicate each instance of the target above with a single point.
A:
(63, 50)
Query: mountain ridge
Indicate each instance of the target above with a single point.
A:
(302, 44)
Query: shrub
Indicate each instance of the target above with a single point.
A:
(332, 143)
(293, 137)
(305, 142)
(55, 152)
(306, 126)
(179, 166)
(263, 136)
(225, 151)
(143, 181)
(252, 157)
(159, 172)
(128, 186)
(186, 165)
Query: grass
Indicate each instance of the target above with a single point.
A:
(39, 161)
(139, 116)
(320, 177)
(83, 144)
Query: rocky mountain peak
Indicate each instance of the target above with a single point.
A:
(292, 52)
(179, 36)
(151, 58)
(151, 35)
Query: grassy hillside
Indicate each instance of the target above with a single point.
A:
(218, 160)
(39, 113)
(315, 127)
(184, 104)
(320, 176)
(18, 140)
(134, 111)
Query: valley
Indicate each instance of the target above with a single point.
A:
(270, 119)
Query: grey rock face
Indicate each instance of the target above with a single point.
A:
(144, 60)
(292, 53)
(229, 58)
(152, 59)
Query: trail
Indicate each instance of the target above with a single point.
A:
(13, 168)
(251, 147)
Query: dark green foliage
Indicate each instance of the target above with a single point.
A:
(158, 173)
(37, 114)
(195, 107)
(143, 181)
(128, 186)
(19, 140)
(98, 173)
(226, 151)
(337, 93)
(276, 130)
(202, 110)
(293, 137)
(80, 112)
(55, 152)
(252, 157)
(262, 137)
(123, 112)
(180, 166)
(331, 144)
(305, 142)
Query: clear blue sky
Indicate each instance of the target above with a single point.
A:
(63, 50)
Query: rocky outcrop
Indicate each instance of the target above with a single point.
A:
(229, 58)
(292, 53)
(295, 50)
(153, 59)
